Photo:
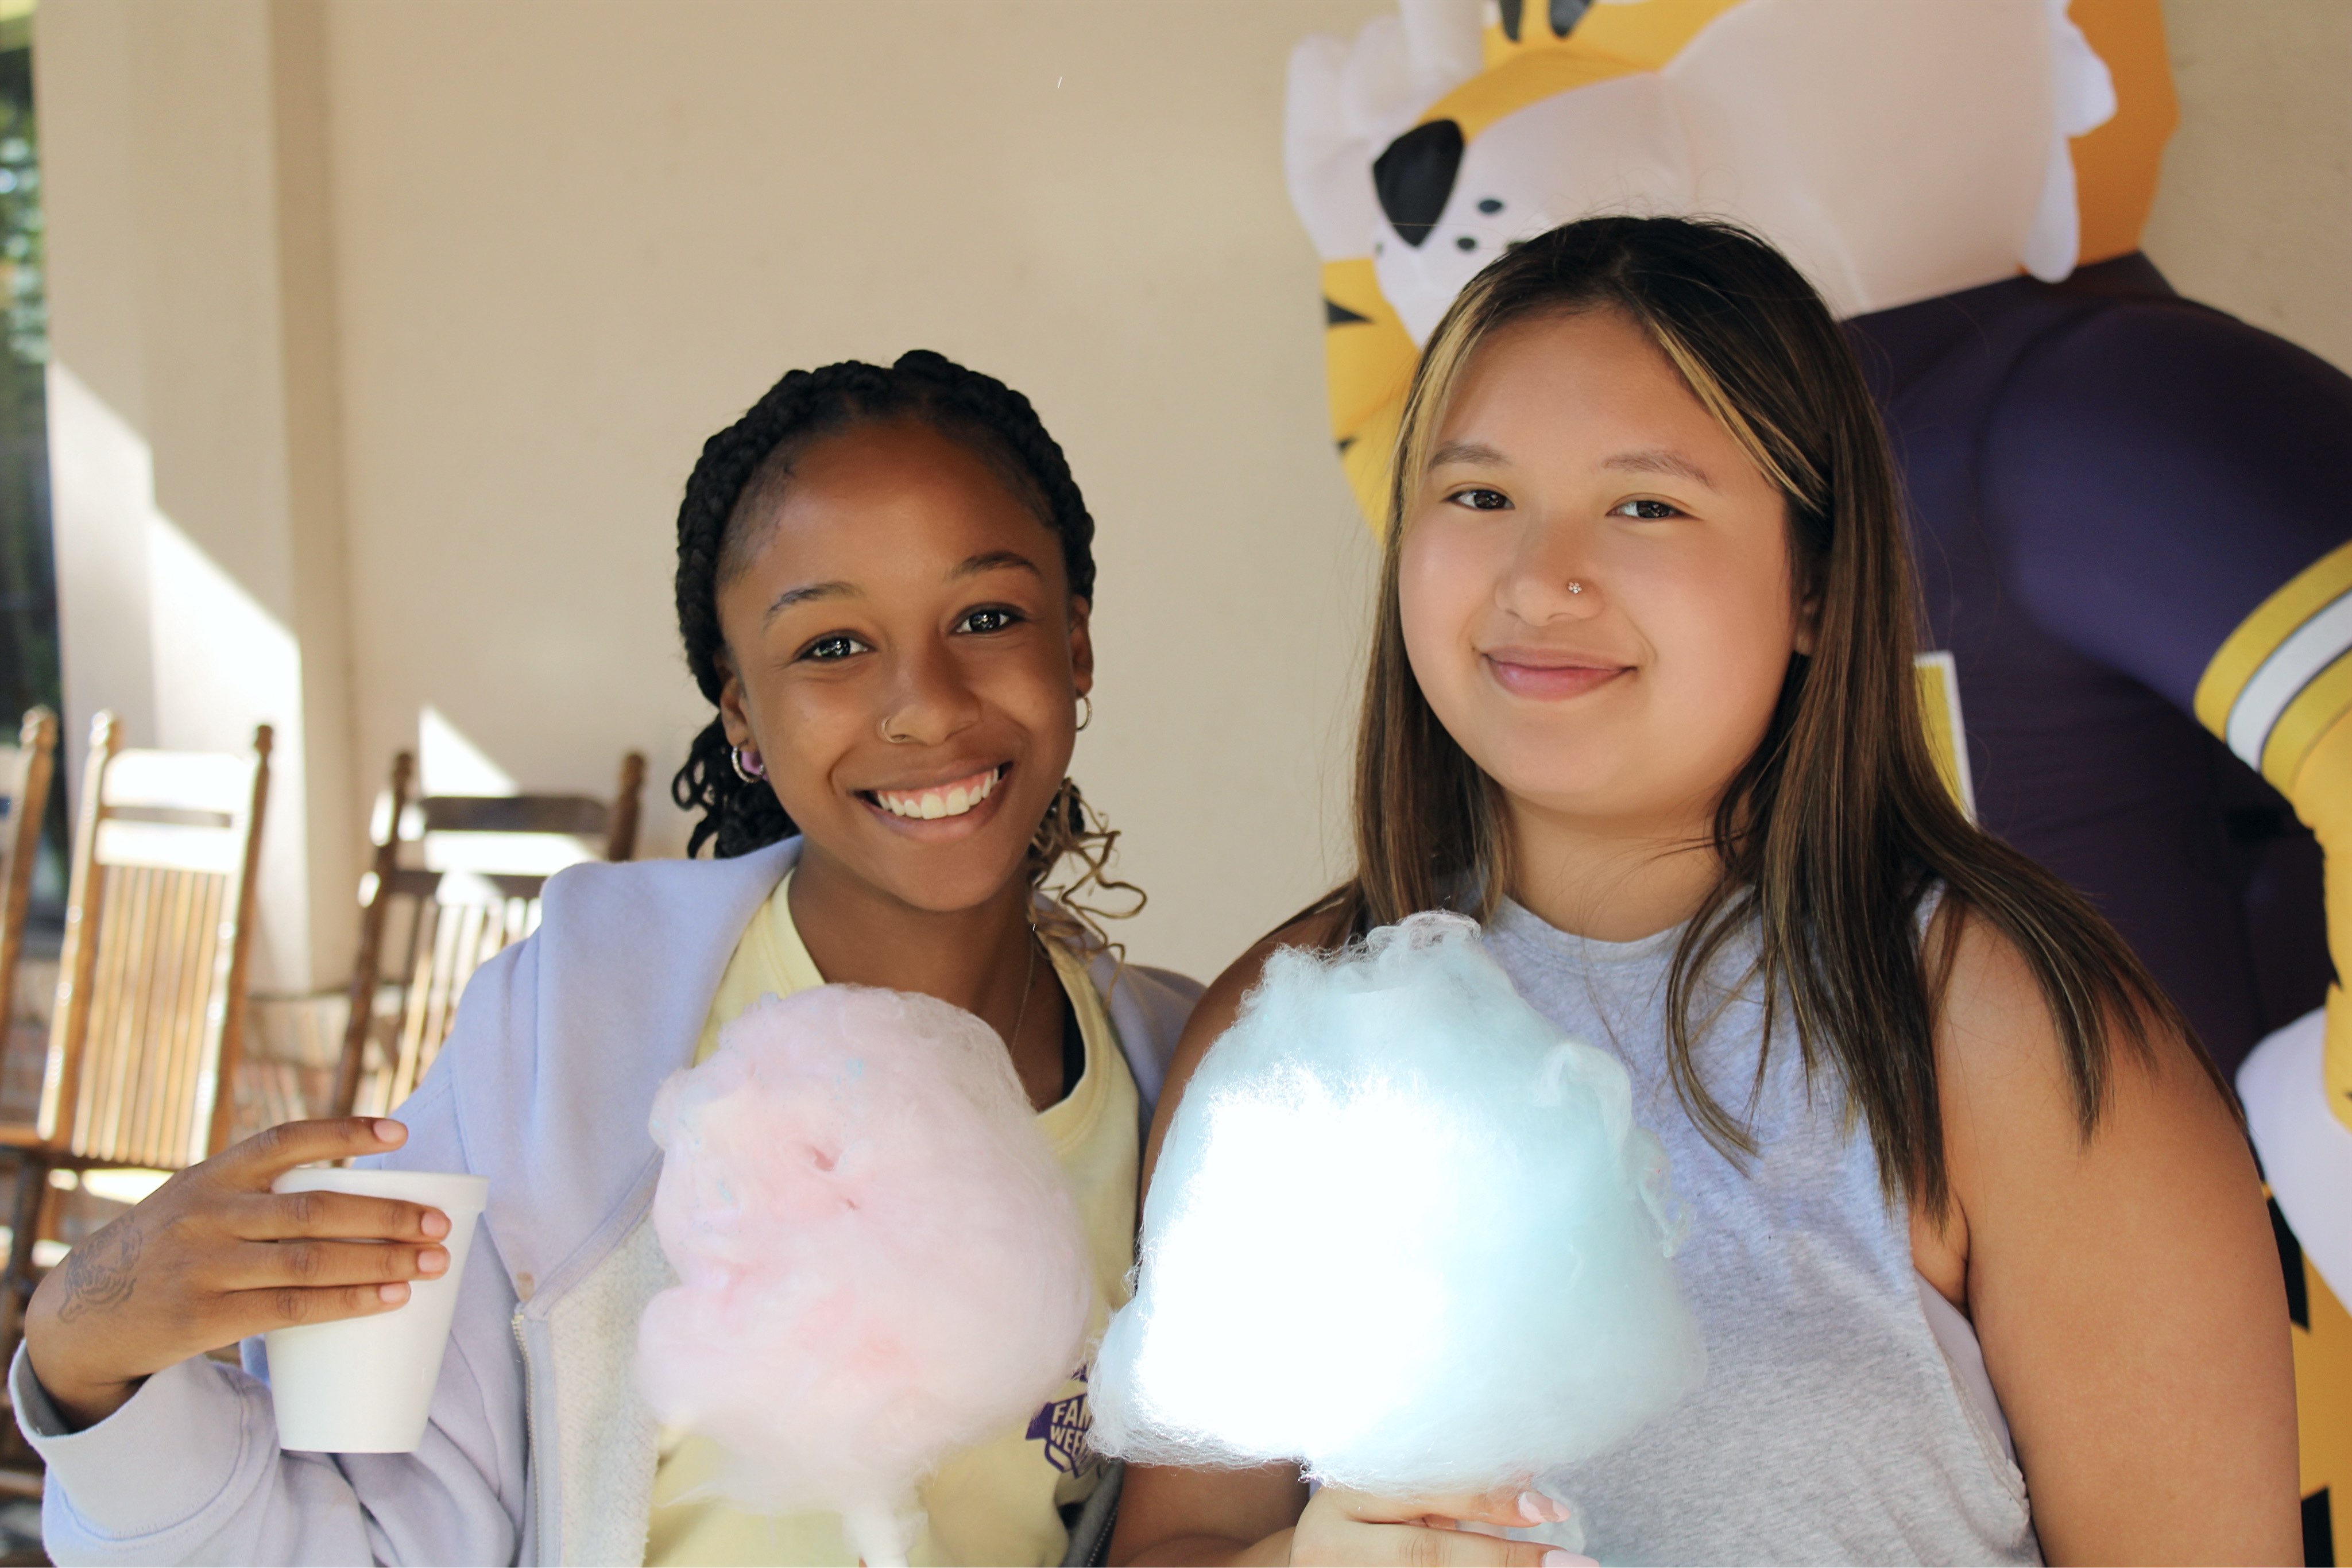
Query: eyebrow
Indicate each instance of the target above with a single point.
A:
(1474, 452)
(1657, 460)
(972, 566)
(1660, 460)
(806, 593)
(995, 560)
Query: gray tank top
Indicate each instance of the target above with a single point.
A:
(1846, 1416)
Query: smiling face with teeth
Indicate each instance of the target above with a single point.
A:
(904, 653)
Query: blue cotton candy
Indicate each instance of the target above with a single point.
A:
(1403, 1232)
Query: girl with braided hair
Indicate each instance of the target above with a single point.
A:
(885, 577)
(741, 474)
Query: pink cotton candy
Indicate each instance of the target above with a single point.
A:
(880, 1257)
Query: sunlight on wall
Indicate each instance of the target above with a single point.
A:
(102, 480)
(224, 665)
(219, 655)
(449, 763)
(153, 628)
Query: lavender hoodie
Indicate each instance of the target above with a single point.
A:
(539, 1449)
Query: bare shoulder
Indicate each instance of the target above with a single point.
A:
(2122, 1282)
(1221, 1003)
(2002, 1065)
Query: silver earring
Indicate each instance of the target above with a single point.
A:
(1089, 718)
(750, 772)
(1574, 586)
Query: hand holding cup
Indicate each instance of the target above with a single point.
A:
(213, 1256)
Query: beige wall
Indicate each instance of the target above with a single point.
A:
(2255, 211)
(388, 329)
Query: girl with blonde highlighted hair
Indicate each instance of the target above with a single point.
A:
(1978, 1245)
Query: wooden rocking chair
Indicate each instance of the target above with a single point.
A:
(456, 879)
(26, 771)
(150, 1016)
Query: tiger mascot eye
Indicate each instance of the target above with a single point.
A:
(2129, 511)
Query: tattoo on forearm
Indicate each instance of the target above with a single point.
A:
(101, 1272)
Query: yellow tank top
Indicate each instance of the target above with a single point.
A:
(998, 1501)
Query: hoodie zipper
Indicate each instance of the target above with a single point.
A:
(534, 1483)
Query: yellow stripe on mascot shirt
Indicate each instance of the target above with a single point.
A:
(2260, 637)
(2279, 690)
(2322, 797)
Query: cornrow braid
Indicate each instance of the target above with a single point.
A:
(995, 421)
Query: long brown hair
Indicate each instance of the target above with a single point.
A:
(1836, 829)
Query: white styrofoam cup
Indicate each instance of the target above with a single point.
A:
(364, 1386)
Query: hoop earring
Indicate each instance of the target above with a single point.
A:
(1089, 718)
(750, 772)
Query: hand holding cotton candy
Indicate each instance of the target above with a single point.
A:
(1400, 1231)
(881, 1261)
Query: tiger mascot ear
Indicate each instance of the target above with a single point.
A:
(1346, 103)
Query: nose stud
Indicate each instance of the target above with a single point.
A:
(1574, 586)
